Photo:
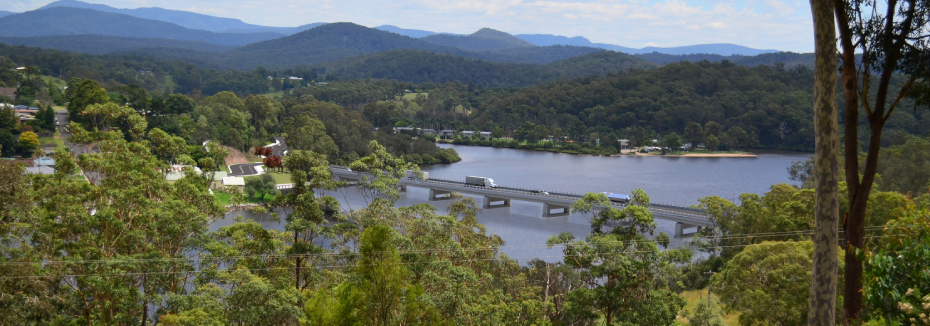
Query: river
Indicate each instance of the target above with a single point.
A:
(677, 181)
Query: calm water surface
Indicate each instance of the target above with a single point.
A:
(678, 181)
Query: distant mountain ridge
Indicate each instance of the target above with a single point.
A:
(230, 25)
(70, 20)
(6, 13)
(182, 18)
(337, 41)
(415, 33)
(483, 40)
(725, 49)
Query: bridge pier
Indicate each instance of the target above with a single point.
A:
(547, 210)
(680, 230)
(403, 188)
(489, 200)
(439, 195)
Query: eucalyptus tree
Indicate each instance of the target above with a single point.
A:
(625, 274)
(315, 218)
(120, 242)
(383, 173)
(878, 40)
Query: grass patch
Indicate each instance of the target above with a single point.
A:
(692, 298)
(224, 198)
(49, 141)
(277, 94)
(279, 177)
(413, 96)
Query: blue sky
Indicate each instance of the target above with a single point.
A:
(765, 24)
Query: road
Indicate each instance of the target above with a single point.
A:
(280, 148)
(244, 169)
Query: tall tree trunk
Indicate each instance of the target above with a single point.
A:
(822, 304)
(296, 266)
(853, 222)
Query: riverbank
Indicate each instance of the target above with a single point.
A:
(587, 149)
(694, 155)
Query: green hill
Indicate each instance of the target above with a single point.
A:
(338, 41)
(422, 66)
(69, 21)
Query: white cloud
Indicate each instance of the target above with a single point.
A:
(716, 25)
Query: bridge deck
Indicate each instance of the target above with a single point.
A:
(687, 216)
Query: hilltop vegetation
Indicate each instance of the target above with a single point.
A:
(422, 67)
(772, 105)
(482, 40)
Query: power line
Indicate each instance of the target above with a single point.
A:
(117, 261)
(338, 265)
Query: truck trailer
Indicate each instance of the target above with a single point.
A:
(617, 198)
(480, 181)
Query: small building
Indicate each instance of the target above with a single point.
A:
(467, 133)
(44, 169)
(174, 176)
(294, 78)
(238, 182)
(403, 129)
(485, 134)
(625, 143)
(44, 161)
(218, 177)
(447, 133)
(9, 92)
(428, 132)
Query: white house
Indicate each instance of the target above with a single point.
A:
(237, 182)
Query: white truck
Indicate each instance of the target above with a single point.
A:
(617, 198)
(480, 181)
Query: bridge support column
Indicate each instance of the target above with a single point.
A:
(403, 188)
(439, 195)
(680, 230)
(547, 210)
(489, 200)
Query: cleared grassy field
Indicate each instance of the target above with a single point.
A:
(692, 297)
(279, 177)
(54, 140)
(277, 94)
(413, 96)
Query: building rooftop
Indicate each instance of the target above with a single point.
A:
(233, 181)
(45, 169)
(44, 161)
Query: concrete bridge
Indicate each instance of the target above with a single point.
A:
(554, 203)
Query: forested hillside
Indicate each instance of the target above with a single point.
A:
(68, 21)
(202, 74)
(771, 104)
(421, 66)
(789, 59)
(103, 44)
